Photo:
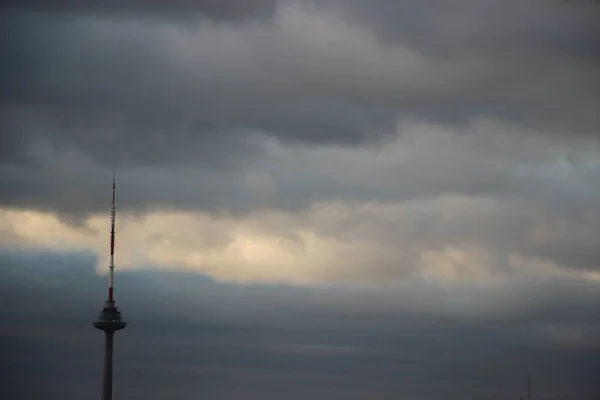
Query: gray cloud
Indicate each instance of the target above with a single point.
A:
(309, 76)
(169, 100)
(492, 194)
(97, 90)
(167, 90)
(519, 58)
(218, 9)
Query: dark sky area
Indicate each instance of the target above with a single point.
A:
(337, 199)
(190, 337)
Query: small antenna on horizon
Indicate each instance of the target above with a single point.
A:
(113, 218)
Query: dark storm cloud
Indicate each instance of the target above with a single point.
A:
(521, 58)
(122, 80)
(183, 106)
(188, 336)
(129, 94)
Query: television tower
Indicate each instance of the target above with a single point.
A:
(109, 319)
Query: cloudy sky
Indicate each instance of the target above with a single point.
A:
(335, 199)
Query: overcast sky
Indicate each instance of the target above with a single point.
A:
(357, 199)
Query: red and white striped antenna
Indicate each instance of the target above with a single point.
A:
(113, 217)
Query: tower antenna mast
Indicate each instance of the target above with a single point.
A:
(113, 218)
